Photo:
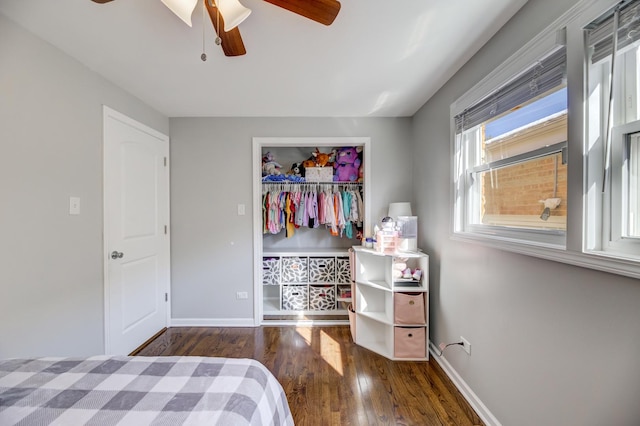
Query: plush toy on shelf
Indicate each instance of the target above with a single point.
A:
(269, 165)
(324, 159)
(319, 159)
(297, 169)
(347, 164)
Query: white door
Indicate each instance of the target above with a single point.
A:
(136, 219)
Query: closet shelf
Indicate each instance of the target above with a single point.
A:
(292, 183)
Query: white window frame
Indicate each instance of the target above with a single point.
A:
(584, 203)
(463, 193)
(608, 211)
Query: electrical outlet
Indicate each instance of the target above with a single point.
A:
(466, 345)
(242, 295)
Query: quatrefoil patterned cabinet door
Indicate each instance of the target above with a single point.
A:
(343, 270)
(322, 298)
(322, 270)
(270, 270)
(294, 270)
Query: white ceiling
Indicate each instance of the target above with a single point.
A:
(379, 58)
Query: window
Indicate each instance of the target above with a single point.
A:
(546, 151)
(613, 134)
(511, 161)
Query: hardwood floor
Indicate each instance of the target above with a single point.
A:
(328, 379)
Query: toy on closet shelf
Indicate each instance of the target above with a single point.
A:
(320, 159)
(319, 167)
(347, 164)
(297, 169)
(269, 165)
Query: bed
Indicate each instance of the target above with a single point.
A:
(120, 390)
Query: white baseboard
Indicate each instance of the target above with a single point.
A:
(212, 322)
(305, 322)
(483, 412)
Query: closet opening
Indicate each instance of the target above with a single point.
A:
(311, 205)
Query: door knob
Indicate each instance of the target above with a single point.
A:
(116, 255)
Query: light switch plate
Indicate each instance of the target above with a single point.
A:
(74, 205)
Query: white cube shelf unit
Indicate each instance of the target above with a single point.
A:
(391, 312)
(316, 282)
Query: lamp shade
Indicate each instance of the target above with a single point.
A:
(233, 13)
(399, 209)
(182, 8)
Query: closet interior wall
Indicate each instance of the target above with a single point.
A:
(305, 276)
(304, 237)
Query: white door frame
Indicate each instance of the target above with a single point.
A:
(111, 113)
(313, 142)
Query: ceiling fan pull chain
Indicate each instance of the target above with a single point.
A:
(218, 29)
(204, 55)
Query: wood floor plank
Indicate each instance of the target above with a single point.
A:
(327, 378)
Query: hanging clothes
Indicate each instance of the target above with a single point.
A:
(346, 207)
(338, 207)
(289, 227)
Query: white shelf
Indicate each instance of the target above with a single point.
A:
(270, 305)
(305, 252)
(377, 316)
(378, 294)
(307, 313)
(377, 347)
(380, 285)
(305, 281)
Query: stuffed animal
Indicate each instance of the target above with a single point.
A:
(324, 159)
(310, 162)
(319, 159)
(297, 169)
(269, 165)
(347, 165)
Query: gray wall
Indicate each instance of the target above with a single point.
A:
(211, 172)
(552, 344)
(51, 291)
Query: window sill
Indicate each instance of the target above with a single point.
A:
(596, 260)
(558, 223)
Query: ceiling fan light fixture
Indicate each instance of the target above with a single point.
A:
(233, 13)
(182, 8)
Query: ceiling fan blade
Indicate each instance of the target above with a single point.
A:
(232, 44)
(101, 1)
(322, 11)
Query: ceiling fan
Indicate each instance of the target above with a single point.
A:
(321, 11)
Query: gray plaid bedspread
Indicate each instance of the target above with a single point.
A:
(105, 390)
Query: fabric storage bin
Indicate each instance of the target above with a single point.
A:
(409, 342)
(318, 174)
(352, 264)
(353, 294)
(408, 308)
(295, 297)
(322, 269)
(322, 298)
(343, 270)
(270, 270)
(344, 292)
(352, 322)
(294, 270)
